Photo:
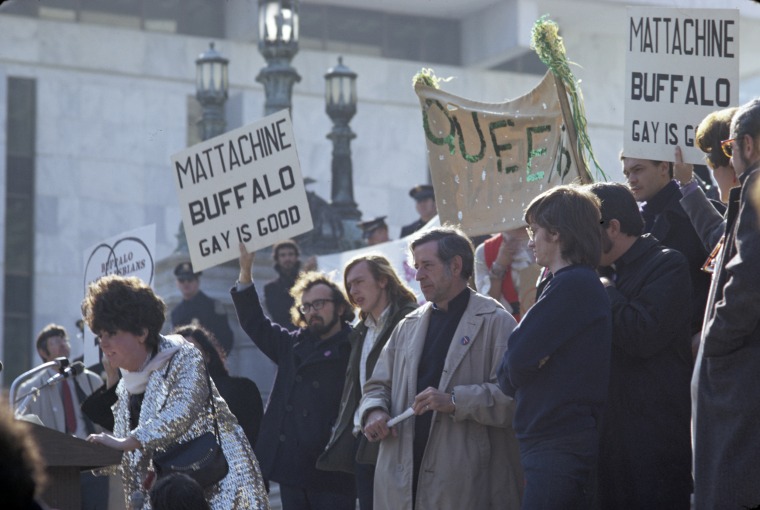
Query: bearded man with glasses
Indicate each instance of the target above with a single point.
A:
(311, 365)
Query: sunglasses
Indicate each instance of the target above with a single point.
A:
(727, 146)
(186, 279)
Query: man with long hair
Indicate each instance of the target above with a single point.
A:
(383, 300)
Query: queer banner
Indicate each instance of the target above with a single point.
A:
(681, 65)
(242, 186)
(488, 161)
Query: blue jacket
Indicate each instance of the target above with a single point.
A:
(558, 360)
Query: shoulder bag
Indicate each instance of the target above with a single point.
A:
(201, 458)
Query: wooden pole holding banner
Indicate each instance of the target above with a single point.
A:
(583, 173)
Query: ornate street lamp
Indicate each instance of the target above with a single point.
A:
(278, 44)
(340, 95)
(211, 86)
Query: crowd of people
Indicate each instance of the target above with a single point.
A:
(621, 375)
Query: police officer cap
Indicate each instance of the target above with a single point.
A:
(370, 226)
(185, 270)
(422, 192)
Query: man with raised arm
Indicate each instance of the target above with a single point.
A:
(311, 364)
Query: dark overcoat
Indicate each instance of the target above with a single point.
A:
(645, 450)
(727, 412)
(303, 405)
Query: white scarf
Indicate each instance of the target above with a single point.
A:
(135, 382)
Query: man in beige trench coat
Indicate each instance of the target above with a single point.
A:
(458, 450)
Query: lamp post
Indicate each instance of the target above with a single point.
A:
(340, 95)
(278, 44)
(211, 87)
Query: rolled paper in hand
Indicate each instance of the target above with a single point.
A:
(401, 417)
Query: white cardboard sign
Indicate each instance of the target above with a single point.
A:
(681, 65)
(242, 186)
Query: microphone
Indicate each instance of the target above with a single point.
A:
(60, 363)
(75, 369)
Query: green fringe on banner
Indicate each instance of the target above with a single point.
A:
(547, 43)
(427, 77)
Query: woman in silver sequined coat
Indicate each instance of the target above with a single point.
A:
(163, 395)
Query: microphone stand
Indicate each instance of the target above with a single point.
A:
(61, 363)
(32, 395)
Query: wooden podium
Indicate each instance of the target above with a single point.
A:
(65, 457)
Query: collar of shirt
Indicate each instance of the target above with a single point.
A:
(377, 324)
(457, 304)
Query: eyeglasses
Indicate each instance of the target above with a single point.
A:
(727, 146)
(317, 305)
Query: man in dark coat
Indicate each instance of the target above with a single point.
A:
(645, 449)
(424, 200)
(199, 309)
(726, 376)
(311, 365)
(277, 298)
(383, 300)
(652, 184)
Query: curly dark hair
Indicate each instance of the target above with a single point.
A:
(209, 346)
(22, 472)
(122, 303)
(308, 280)
(177, 491)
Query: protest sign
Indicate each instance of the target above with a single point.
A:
(131, 253)
(488, 161)
(681, 65)
(242, 186)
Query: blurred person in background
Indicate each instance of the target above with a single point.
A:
(241, 394)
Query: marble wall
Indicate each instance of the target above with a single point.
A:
(112, 108)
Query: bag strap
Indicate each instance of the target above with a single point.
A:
(213, 405)
(210, 396)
